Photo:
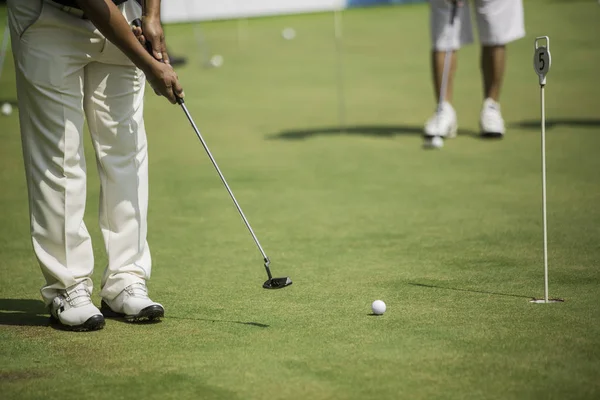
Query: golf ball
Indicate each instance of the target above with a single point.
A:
(378, 307)
(6, 109)
(216, 60)
(288, 33)
(435, 142)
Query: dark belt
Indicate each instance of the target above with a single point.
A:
(71, 7)
(73, 3)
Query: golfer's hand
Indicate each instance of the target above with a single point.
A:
(152, 32)
(165, 82)
(139, 35)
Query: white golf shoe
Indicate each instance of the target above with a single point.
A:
(442, 125)
(133, 304)
(74, 310)
(491, 122)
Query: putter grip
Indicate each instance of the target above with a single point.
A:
(138, 22)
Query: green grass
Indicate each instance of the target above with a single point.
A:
(451, 240)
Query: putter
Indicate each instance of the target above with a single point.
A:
(271, 283)
(447, 62)
(437, 141)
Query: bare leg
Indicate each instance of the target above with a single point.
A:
(437, 64)
(493, 61)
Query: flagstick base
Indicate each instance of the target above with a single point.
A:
(542, 301)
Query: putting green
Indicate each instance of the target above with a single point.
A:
(451, 240)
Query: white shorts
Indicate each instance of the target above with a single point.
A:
(498, 21)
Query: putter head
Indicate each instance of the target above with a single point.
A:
(274, 283)
(277, 283)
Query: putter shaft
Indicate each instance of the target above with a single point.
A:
(447, 64)
(269, 283)
(212, 159)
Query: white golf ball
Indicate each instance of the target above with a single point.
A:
(6, 109)
(288, 33)
(378, 307)
(217, 60)
(434, 142)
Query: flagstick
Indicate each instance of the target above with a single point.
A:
(544, 198)
(542, 61)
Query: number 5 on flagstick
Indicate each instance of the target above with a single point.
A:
(542, 60)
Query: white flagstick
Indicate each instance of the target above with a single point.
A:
(542, 61)
(339, 37)
(544, 198)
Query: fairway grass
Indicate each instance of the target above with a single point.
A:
(451, 240)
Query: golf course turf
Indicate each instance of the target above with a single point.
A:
(451, 239)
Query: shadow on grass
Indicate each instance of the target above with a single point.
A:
(553, 123)
(382, 131)
(23, 312)
(257, 324)
(110, 314)
(470, 290)
(124, 321)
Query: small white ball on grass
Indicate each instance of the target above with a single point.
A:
(378, 307)
(437, 142)
(216, 60)
(6, 109)
(288, 33)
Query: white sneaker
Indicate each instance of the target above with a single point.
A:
(74, 310)
(133, 304)
(491, 122)
(443, 124)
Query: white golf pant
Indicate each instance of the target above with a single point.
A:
(499, 22)
(67, 72)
